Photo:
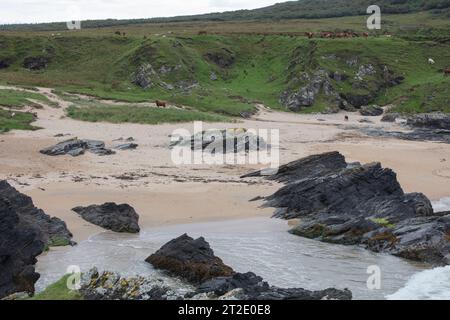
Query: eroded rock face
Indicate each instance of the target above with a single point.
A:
(20, 244)
(118, 218)
(25, 232)
(36, 63)
(53, 231)
(193, 260)
(361, 204)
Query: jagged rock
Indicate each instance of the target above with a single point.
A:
(249, 286)
(25, 232)
(361, 204)
(118, 218)
(193, 260)
(143, 76)
(371, 111)
(76, 147)
(20, 244)
(365, 70)
(36, 63)
(358, 100)
(314, 165)
(54, 231)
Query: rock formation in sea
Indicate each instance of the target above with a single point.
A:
(356, 204)
(25, 232)
(111, 216)
(203, 276)
(190, 259)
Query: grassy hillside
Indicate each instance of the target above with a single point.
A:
(225, 75)
(302, 9)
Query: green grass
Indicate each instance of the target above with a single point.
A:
(98, 63)
(21, 121)
(142, 115)
(20, 99)
(383, 222)
(58, 291)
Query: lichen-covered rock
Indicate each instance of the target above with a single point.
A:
(107, 285)
(118, 218)
(430, 121)
(193, 260)
(53, 230)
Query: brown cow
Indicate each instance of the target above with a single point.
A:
(366, 35)
(161, 104)
(202, 33)
(447, 72)
(310, 35)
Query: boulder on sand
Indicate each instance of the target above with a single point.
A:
(76, 147)
(371, 111)
(118, 218)
(25, 232)
(193, 260)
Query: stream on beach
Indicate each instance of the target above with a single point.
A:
(260, 245)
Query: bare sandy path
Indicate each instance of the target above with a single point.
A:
(164, 193)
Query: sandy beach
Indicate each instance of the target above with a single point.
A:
(163, 193)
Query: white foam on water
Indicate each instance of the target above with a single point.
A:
(427, 285)
(442, 205)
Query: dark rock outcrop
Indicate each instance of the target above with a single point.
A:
(118, 218)
(25, 232)
(255, 288)
(4, 63)
(362, 205)
(193, 260)
(20, 244)
(76, 147)
(371, 111)
(36, 63)
(440, 121)
(306, 167)
(53, 231)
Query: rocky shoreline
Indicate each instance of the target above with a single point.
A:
(203, 276)
(354, 204)
(25, 232)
